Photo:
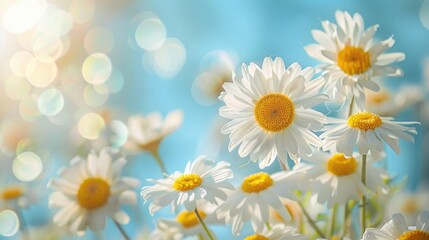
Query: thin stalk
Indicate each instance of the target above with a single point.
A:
(363, 197)
(121, 229)
(268, 225)
(346, 217)
(23, 224)
(351, 106)
(333, 220)
(311, 221)
(203, 224)
(158, 159)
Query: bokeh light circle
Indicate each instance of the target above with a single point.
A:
(22, 15)
(9, 223)
(93, 98)
(17, 88)
(96, 68)
(99, 40)
(19, 62)
(91, 125)
(82, 10)
(50, 102)
(150, 34)
(120, 133)
(168, 60)
(41, 74)
(27, 166)
(28, 108)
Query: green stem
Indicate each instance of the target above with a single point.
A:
(333, 219)
(311, 221)
(346, 216)
(158, 159)
(268, 225)
(363, 197)
(23, 225)
(351, 106)
(204, 225)
(121, 229)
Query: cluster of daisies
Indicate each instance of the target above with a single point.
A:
(326, 162)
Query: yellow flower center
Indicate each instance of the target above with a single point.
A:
(189, 219)
(12, 193)
(353, 60)
(339, 165)
(256, 237)
(274, 112)
(93, 193)
(410, 206)
(256, 182)
(415, 235)
(187, 182)
(364, 121)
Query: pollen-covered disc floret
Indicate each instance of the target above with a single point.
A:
(252, 200)
(256, 237)
(353, 60)
(187, 182)
(340, 165)
(93, 193)
(202, 180)
(364, 121)
(189, 219)
(366, 131)
(274, 112)
(351, 57)
(256, 182)
(269, 109)
(90, 190)
(398, 229)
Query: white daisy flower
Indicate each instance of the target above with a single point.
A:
(397, 229)
(336, 178)
(201, 180)
(17, 195)
(258, 192)
(410, 204)
(277, 232)
(270, 111)
(367, 131)
(145, 133)
(351, 57)
(187, 224)
(91, 190)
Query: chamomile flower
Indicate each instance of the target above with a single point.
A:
(186, 224)
(277, 232)
(351, 57)
(336, 178)
(270, 111)
(145, 133)
(397, 228)
(258, 192)
(91, 190)
(17, 195)
(367, 131)
(201, 180)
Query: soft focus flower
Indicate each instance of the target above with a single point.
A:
(17, 195)
(147, 132)
(351, 57)
(398, 229)
(277, 232)
(91, 190)
(201, 180)
(335, 179)
(367, 131)
(388, 103)
(186, 224)
(410, 204)
(270, 111)
(258, 192)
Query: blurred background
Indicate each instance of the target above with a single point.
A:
(73, 71)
